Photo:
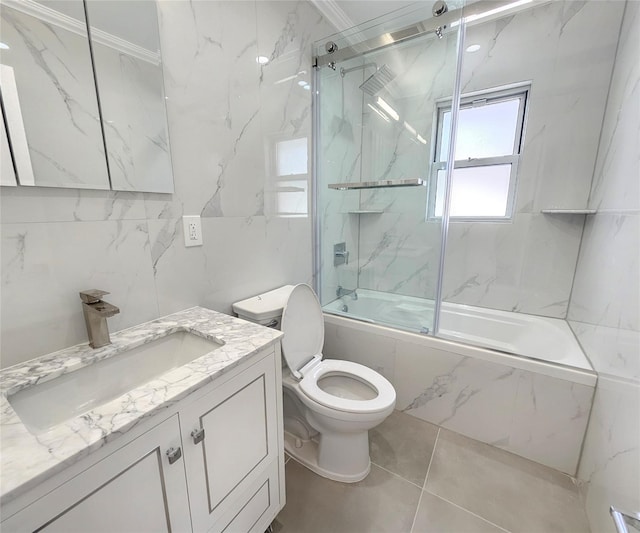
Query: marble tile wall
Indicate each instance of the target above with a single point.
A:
(225, 113)
(604, 311)
(535, 416)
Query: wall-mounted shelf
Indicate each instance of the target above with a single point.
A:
(568, 211)
(381, 184)
(365, 212)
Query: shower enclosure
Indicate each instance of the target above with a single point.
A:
(454, 150)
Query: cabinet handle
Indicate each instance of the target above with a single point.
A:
(174, 454)
(198, 435)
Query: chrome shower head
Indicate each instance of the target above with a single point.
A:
(378, 80)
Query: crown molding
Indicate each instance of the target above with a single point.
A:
(334, 14)
(55, 18)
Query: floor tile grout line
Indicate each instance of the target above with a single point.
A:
(415, 515)
(424, 484)
(396, 475)
(433, 452)
(467, 511)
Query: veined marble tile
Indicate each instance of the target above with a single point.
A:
(549, 421)
(180, 273)
(616, 183)
(374, 351)
(606, 289)
(611, 457)
(612, 351)
(526, 266)
(212, 84)
(26, 204)
(44, 266)
(451, 391)
(234, 273)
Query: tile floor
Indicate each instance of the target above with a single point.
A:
(428, 479)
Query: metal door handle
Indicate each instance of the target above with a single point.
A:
(198, 435)
(174, 454)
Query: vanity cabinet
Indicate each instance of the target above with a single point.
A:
(216, 463)
(133, 489)
(230, 438)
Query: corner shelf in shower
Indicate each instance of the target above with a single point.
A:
(568, 211)
(381, 184)
(365, 212)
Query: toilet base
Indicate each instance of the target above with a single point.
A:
(307, 453)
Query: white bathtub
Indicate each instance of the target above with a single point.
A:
(539, 344)
(535, 404)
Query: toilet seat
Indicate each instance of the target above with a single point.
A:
(303, 326)
(385, 392)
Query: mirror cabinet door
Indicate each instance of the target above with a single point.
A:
(46, 44)
(126, 51)
(7, 171)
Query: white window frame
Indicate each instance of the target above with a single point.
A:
(284, 183)
(481, 98)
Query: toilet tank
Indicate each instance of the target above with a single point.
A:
(265, 309)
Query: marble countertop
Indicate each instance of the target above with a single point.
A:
(26, 459)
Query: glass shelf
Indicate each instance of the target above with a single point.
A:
(381, 184)
(568, 211)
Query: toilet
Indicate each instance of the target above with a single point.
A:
(329, 405)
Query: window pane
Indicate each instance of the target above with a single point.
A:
(476, 191)
(444, 135)
(488, 130)
(291, 197)
(291, 157)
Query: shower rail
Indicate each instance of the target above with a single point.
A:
(439, 23)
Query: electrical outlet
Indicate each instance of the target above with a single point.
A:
(192, 230)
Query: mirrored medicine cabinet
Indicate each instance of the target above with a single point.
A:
(83, 100)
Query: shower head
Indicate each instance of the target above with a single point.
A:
(378, 80)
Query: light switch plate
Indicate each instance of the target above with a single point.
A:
(192, 230)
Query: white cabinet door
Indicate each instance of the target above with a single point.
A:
(134, 489)
(239, 419)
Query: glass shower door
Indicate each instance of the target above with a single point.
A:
(376, 114)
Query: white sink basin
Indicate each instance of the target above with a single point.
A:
(50, 403)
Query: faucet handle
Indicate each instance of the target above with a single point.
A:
(92, 296)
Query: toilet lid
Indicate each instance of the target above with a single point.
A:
(303, 327)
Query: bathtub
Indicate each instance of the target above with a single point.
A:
(548, 344)
(469, 379)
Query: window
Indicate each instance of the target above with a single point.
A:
(488, 146)
(291, 182)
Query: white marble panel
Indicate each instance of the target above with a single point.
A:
(610, 462)
(44, 266)
(466, 395)
(68, 205)
(611, 350)
(607, 286)
(549, 421)
(616, 184)
(374, 351)
(234, 272)
(212, 84)
(526, 266)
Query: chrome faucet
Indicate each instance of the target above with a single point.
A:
(96, 311)
(340, 292)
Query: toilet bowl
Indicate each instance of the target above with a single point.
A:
(329, 405)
